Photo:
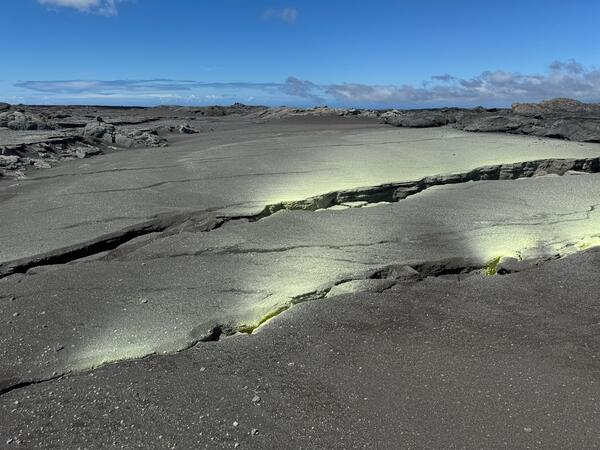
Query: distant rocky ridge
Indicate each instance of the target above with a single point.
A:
(34, 137)
(37, 137)
(558, 118)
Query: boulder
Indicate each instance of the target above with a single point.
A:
(40, 163)
(419, 118)
(124, 141)
(571, 129)
(86, 152)
(147, 138)
(10, 162)
(19, 121)
(98, 130)
(185, 128)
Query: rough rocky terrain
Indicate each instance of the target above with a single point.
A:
(558, 118)
(278, 278)
(37, 137)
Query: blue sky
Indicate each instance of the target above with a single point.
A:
(341, 53)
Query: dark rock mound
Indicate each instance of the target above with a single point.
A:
(185, 128)
(560, 118)
(488, 122)
(99, 132)
(557, 106)
(16, 120)
(420, 118)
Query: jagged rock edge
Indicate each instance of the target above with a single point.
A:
(394, 192)
(389, 192)
(450, 266)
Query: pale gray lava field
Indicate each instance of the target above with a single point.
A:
(244, 277)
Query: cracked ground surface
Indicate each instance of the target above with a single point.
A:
(146, 301)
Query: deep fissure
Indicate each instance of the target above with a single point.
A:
(389, 192)
(394, 273)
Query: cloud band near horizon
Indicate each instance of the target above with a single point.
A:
(562, 79)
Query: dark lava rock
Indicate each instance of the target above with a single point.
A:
(557, 106)
(86, 152)
(4, 106)
(146, 138)
(488, 123)
(218, 111)
(558, 118)
(420, 118)
(9, 162)
(572, 129)
(16, 120)
(98, 131)
(185, 128)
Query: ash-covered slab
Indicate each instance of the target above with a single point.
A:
(507, 361)
(163, 292)
(373, 284)
(238, 171)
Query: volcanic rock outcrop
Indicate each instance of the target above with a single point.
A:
(20, 121)
(35, 137)
(557, 118)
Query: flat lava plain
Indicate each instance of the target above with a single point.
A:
(288, 279)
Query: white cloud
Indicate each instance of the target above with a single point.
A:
(302, 88)
(103, 7)
(81, 5)
(287, 15)
(493, 88)
(104, 87)
(562, 79)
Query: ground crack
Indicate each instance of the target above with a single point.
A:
(394, 192)
(7, 386)
(394, 274)
(391, 275)
(111, 241)
(391, 192)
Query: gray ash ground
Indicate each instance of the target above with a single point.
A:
(246, 277)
